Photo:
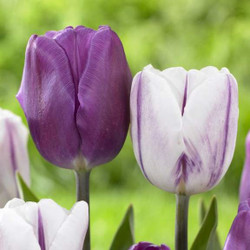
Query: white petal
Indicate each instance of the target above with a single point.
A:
(63, 229)
(14, 203)
(209, 128)
(27, 210)
(176, 78)
(15, 233)
(156, 128)
(210, 70)
(52, 218)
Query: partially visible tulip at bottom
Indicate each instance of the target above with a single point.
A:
(148, 246)
(13, 155)
(239, 234)
(42, 226)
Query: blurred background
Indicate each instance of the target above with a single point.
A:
(164, 33)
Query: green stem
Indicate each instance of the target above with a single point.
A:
(82, 194)
(181, 223)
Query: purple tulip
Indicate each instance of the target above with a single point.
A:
(75, 95)
(13, 155)
(184, 126)
(42, 226)
(148, 246)
(245, 178)
(239, 234)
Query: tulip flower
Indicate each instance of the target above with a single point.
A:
(239, 237)
(184, 126)
(245, 178)
(13, 155)
(75, 95)
(42, 226)
(148, 246)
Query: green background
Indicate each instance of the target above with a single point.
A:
(164, 33)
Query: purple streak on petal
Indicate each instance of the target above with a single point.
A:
(139, 103)
(187, 163)
(245, 178)
(181, 169)
(47, 96)
(12, 151)
(10, 128)
(215, 175)
(104, 88)
(185, 96)
(41, 238)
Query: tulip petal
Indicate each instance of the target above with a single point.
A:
(13, 230)
(156, 128)
(28, 211)
(68, 228)
(14, 155)
(238, 237)
(103, 115)
(47, 96)
(245, 178)
(210, 128)
(75, 43)
(143, 245)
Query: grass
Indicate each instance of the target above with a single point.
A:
(154, 214)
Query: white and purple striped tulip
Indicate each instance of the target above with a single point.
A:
(42, 226)
(245, 178)
(75, 95)
(13, 155)
(143, 245)
(184, 126)
(239, 234)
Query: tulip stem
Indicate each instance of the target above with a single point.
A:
(82, 194)
(181, 222)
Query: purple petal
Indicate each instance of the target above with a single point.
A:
(47, 96)
(148, 246)
(239, 235)
(103, 115)
(244, 206)
(245, 178)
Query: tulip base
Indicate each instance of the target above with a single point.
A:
(82, 193)
(181, 223)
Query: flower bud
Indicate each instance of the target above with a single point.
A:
(148, 246)
(13, 155)
(75, 95)
(42, 225)
(184, 126)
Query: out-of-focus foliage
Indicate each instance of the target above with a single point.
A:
(165, 33)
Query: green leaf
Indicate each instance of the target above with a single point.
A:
(203, 211)
(25, 192)
(124, 237)
(214, 242)
(206, 238)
